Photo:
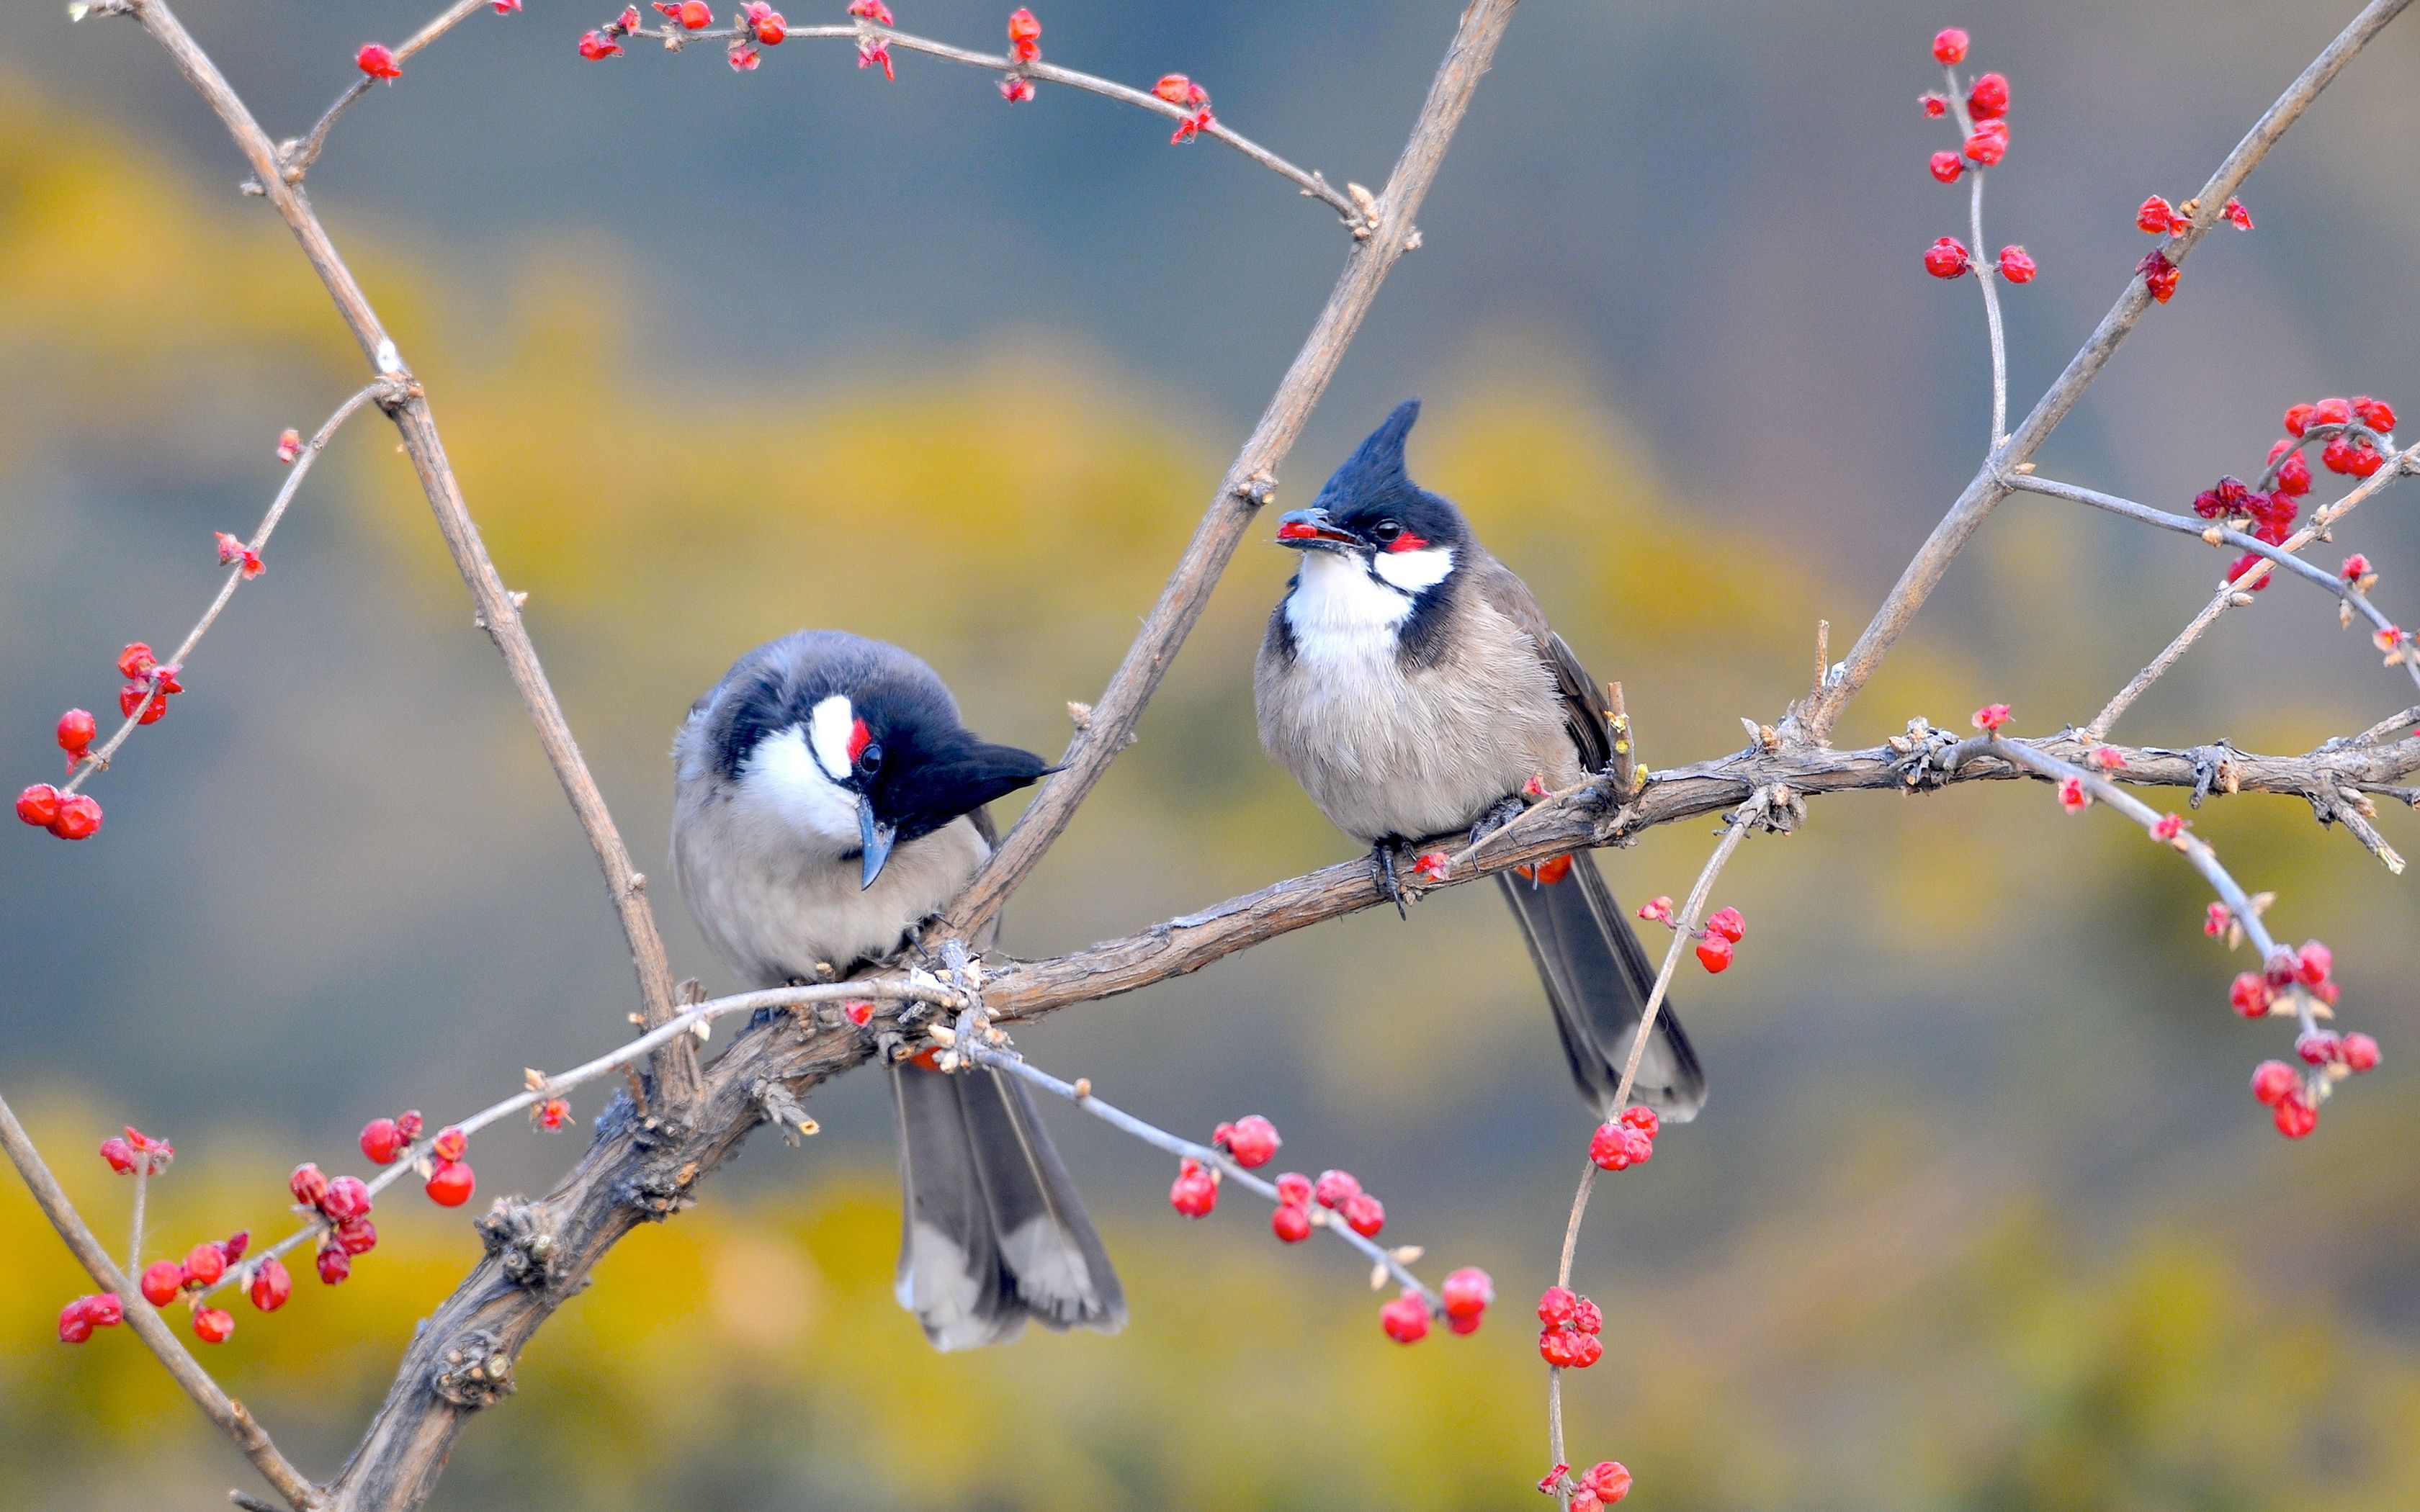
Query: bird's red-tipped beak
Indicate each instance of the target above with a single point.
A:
(1312, 527)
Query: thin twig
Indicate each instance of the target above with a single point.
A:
(1986, 271)
(1923, 573)
(1736, 828)
(149, 1326)
(99, 761)
(1126, 1122)
(134, 1226)
(689, 1022)
(298, 157)
(498, 609)
(2338, 586)
(2240, 590)
(1249, 482)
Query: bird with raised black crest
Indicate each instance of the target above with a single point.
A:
(828, 800)
(1412, 685)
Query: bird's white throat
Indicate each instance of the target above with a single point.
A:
(793, 788)
(1340, 604)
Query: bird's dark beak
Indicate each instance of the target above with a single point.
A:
(1310, 529)
(876, 836)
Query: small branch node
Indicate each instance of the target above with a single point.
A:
(476, 1372)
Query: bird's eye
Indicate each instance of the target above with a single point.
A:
(1385, 531)
(869, 761)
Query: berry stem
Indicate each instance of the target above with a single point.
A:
(1015, 1065)
(2337, 585)
(134, 1238)
(1987, 273)
(1736, 828)
(98, 760)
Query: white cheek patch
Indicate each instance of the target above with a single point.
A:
(828, 726)
(782, 776)
(1415, 571)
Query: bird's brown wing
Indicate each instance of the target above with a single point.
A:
(1584, 712)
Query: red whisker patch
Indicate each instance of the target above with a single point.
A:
(1408, 542)
(859, 738)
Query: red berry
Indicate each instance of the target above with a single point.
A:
(2313, 962)
(407, 1124)
(271, 1285)
(1573, 1351)
(1176, 88)
(289, 444)
(2316, 1048)
(39, 805)
(347, 1198)
(1989, 98)
(2334, 410)
(451, 1144)
(2236, 568)
(1715, 954)
(1935, 106)
(1195, 1191)
(1016, 90)
(1294, 1190)
(2215, 920)
(2294, 475)
(235, 1244)
(1364, 1214)
(104, 1309)
(378, 63)
(357, 1235)
(2364, 459)
(695, 16)
(743, 59)
(451, 1184)
(1728, 922)
(161, 1281)
(2240, 217)
(2298, 418)
(132, 695)
(2017, 265)
(2295, 1117)
(2071, 796)
(334, 1264)
(2167, 827)
(1406, 1319)
(1945, 259)
(1949, 46)
(1617, 1147)
(309, 1186)
(2359, 1052)
(873, 11)
(1024, 36)
(2356, 568)
(553, 1114)
(1658, 909)
(1558, 1305)
(1291, 1223)
(2375, 413)
(1253, 1140)
(213, 1325)
(1948, 166)
(1587, 1317)
(120, 1154)
(1334, 1187)
(2250, 994)
(1466, 1293)
(1584, 1500)
(2157, 216)
(75, 1322)
(79, 818)
(2159, 275)
(596, 46)
(1643, 1120)
(381, 1141)
(1610, 1481)
(76, 729)
(1989, 142)
(204, 1265)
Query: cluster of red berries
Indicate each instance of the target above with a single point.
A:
(551, 1114)
(137, 1153)
(78, 1319)
(383, 1139)
(1987, 142)
(144, 698)
(236, 553)
(2157, 217)
(1338, 1191)
(2273, 989)
(1024, 47)
(1608, 1481)
(1626, 1141)
(1463, 1298)
(1251, 1141)
(872, 52)
(1568, 1339)
(1725, 928)
(597, 45)
(1185, 95)
(2282, 1089)
(204, 1266)
(345, 1203)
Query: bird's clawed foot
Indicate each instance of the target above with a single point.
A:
(1509, 808)
(1382, 860)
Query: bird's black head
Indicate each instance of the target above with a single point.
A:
(859, 745)
(1372, 512)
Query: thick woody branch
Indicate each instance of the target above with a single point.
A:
(1251, 479)
(223, 1410)
(498, 609)
(1813, 720)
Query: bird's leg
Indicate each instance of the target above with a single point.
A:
(1382, 860)
(1507, 807)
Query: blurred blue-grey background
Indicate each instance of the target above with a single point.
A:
(1979, 1214)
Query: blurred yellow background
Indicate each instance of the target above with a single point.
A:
(1980, 1215)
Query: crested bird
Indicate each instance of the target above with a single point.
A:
(1409, 681)
(828, 800)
